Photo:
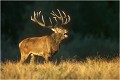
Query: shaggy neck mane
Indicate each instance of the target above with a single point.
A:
(57, 37)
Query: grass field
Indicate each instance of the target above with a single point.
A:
(88, 69)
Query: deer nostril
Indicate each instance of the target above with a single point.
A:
(65, 34)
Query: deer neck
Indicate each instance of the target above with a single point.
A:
(57, 38)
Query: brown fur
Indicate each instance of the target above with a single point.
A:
(45, 46)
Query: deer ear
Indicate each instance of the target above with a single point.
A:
(54, 30)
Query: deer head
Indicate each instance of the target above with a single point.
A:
(45, 46)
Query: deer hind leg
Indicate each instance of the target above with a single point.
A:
(47, 58)
(23, 57)
(32, 58)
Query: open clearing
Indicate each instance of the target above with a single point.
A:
(88, 69)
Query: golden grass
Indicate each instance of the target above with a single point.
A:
(89, 69)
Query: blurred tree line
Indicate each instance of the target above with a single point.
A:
(99, 19)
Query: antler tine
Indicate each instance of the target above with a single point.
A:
(34, 14)
(56, 16)
(43, 19)
(61, 17)
(34, 19)
(39, 13)
(50, 20)
(59, 12)
(67, 20)
(64, 14)
(53, 13)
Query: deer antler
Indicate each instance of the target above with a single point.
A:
(60, 17)
(34, 19)
(64, 19)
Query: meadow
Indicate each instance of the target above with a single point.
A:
(66, 69)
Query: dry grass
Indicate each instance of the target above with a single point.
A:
(89, 69)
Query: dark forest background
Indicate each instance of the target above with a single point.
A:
(93, 30)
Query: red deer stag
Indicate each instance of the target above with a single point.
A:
(45, 46)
